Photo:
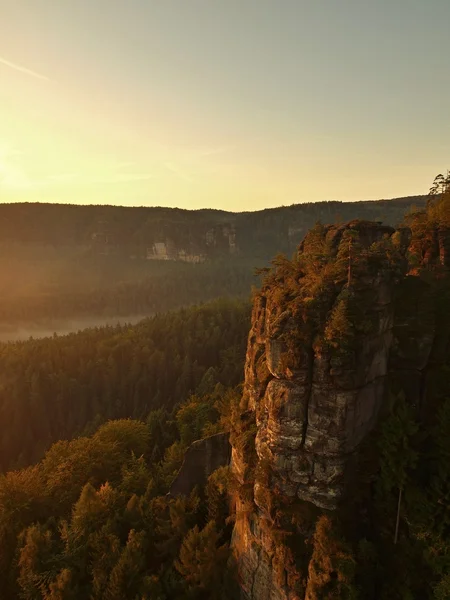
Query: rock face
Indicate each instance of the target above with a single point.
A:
(168, 251)
(161, 234)
(202, 458)
(316, 374)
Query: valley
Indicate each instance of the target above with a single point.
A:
(96, 264)
(224, 300)
(136, 461)
(49, 328)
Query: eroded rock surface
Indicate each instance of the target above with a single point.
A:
(315, 378)
(202, 458)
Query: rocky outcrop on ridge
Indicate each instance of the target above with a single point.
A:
(324, 338)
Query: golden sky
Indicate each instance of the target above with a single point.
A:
(239, 105)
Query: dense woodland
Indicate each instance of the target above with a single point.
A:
(100, 287)
(90, 516)
(56, 388)
(59, 262)
(259, 234)
(92, 519)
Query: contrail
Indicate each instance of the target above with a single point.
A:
(3, 61)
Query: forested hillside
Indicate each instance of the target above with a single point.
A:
(131, 232)
(56, 388)
(109, 288)
(59, 262)
(360, 309)
(92, 519)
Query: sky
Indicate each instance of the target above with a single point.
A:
(231, 104)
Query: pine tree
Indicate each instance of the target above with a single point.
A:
(202, 560)
(398, 456)
(61, 588)
(36, 561)
(126, 578)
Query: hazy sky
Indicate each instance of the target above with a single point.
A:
(235, 104)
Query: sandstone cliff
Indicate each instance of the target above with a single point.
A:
(333, 331)
(202, 458)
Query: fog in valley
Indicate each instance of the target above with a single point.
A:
(49, 328)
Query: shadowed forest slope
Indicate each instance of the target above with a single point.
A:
(58, 387)
(59, 262)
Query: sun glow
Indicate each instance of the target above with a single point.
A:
(201, 112)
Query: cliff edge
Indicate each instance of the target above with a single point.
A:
(333, 332)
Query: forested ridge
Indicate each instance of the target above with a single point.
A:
(260, 233)
(56, 388)
(92, 519)
(59, 262)
(89, 516)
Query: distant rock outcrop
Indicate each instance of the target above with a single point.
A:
(161, 234)
(202, 458)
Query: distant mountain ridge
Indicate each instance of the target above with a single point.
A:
(158, 233)
(60, 262)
